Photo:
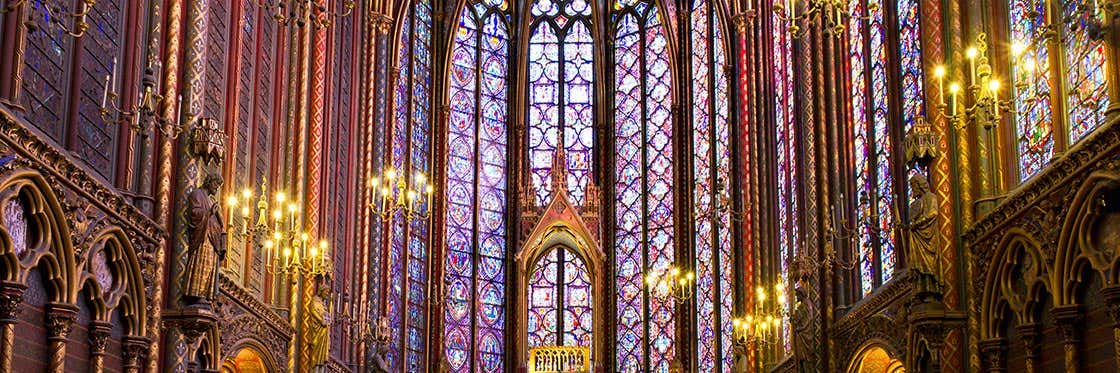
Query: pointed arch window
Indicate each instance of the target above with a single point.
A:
(875, 169)
(643, 158)
(711, 172)
(561, 91)
(786, 146)
(410, 147)
(474, 319)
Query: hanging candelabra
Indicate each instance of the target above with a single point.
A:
(835, 13)
(765, 324)
(303, 11)
(672, 283)
(393, 193)
(288, 248)
(981, 102)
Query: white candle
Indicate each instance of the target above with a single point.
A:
(105, 93)
(116, 79)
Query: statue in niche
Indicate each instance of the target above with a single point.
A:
(922, 227)
(206, 243)
(318, 323)
(380, 342)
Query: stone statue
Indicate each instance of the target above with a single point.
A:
(380, 343)
(922, 227)
(206, 243)
(318, 325)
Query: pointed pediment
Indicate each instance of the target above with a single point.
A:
(560, 223)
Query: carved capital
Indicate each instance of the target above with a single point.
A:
(993, 352)
(60, 320)
(1112, 301)
(98, 337)
(135, 349)
(1031, 338)
(1068, 319)
(11, 296)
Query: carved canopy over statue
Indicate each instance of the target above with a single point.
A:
(206, 243)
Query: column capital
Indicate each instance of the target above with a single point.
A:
(11, 296)
(60, 320)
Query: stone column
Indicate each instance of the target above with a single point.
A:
(11, 296)
(1112, 48)
(60, 320)
(1031, 338)
(98, 341)
(1068, 319)
(994, 353)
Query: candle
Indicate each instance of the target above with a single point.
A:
(116, 81)
(105, 93)
(180, 104)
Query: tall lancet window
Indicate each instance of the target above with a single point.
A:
(871, 143)
(476, 190)
(410, 147)
(711, 171)
(1084, 61)
(786, 160)
(643, 159)
(561, 77)
(1034, 118)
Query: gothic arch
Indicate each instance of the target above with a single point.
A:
(53, 253)
(1076, 248)
(1016, 251)
(257, 349)
(127, 287)
(885, 356)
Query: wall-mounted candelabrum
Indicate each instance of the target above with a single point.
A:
(979, 102)
(55, 14)
(303, 11)
(288, 248)
(394, 193)
(142, 116)
(672, 283)
(836, 14)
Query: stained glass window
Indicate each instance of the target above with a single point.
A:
(561, 78)
(476, 186)
(410, 152)
(1085, 60)
(560, 301)
(871, 144)
(711, 171)
(910, 53)
(643, 157)
(789, 235)
(1033, 116)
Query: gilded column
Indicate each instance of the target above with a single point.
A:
(1031, 338)
(98, 341)
(60, 320)
(1069, 319)
(11, 296)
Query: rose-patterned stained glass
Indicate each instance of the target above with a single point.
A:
(711, 164)
(789, 235)
(560, 301)
(16, 225)
(871, 144)
(560, 94)
(1085, 74)
(476, 186)
(410, 149)
(1034, 124)
(644, 237)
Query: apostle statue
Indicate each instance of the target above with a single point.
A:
(922, 227)
(318, 324)
(206, 243)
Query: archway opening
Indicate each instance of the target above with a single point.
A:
(560, 301)
(875, 359)
(247, 360)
